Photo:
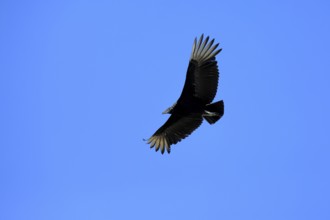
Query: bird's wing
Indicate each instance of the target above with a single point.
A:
(202, 74)
(174, 130)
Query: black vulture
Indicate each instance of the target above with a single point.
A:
(194, 103)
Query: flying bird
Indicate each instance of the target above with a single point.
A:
(194, 103)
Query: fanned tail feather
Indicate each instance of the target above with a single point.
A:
(215, 112)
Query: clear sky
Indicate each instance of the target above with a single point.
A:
(83, 82)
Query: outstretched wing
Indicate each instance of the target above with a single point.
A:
(202, 74)
(175, 129)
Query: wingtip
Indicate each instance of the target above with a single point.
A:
(204, 50)
(159, 143)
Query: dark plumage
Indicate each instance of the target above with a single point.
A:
(194, 102)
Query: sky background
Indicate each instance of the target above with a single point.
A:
(83, 82)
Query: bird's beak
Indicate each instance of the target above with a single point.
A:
(166, 111)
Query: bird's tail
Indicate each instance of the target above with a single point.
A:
(213, 112)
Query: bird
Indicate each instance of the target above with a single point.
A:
(195, 101)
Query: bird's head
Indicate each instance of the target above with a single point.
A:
(169, 110)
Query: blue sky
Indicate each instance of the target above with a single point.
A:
(83, 82)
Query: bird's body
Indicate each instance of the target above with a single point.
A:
(194, 103)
